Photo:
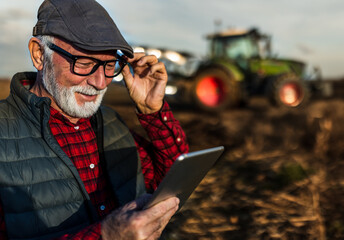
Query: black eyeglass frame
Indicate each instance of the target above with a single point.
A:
(74, 58)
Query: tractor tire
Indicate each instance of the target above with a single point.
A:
(289, 91)
(215, 89)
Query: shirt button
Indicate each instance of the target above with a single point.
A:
(102, 207)
(178, 139)
(91, 165)
(76, 127)
(165, 118)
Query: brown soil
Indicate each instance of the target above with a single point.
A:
(281, 176)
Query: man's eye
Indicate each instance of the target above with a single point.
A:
(110, 65)
(84, 64)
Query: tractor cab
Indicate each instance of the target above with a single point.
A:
(239, 46)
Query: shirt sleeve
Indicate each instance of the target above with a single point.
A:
(167, 142)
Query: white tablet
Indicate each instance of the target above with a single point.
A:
(185, 174)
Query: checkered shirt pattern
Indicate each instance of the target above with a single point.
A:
(78, 141)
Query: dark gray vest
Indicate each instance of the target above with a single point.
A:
(40, 189)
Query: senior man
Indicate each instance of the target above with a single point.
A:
(70, 168)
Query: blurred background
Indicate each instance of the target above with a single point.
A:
(281, 175)
(311, 31)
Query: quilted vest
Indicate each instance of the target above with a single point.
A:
(40, 189)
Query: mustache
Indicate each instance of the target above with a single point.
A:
(87, 90)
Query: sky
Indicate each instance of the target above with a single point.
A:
(308, 30)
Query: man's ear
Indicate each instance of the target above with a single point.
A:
(36, 52)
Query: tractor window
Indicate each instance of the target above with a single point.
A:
(240, 48)
(217, 49)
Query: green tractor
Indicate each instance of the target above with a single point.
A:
(239, 65)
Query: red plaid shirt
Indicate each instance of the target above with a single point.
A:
(78, 141)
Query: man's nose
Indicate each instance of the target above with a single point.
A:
(98, 79)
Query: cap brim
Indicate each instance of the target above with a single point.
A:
(127, 51)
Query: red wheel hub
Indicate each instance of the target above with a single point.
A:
(210, 91)
(291, 94)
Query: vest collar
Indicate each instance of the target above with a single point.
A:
(32, 106)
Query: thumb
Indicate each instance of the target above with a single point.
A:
(127, 75)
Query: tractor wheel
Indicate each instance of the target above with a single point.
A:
(288, 90)
(214, 89)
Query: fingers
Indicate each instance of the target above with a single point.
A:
(159, 215)
(146, 83)
(158, 70)
(159, 209)
(157, 227)
(149, 60)
(141, 59)
(141, 62)
(144, 66)
(129, 223)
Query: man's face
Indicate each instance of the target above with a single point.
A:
(77, 96)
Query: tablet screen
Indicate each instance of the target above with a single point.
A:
(185, 174)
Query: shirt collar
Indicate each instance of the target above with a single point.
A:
(58, 116)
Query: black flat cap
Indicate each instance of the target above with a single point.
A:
(84, 23)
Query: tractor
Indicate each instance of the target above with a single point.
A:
(239, 65)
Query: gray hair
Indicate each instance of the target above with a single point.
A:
(48, 74)
(45, 39)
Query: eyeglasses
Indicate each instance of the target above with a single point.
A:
(85, 66)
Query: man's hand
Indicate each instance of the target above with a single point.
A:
(147, 86)
(130, 222)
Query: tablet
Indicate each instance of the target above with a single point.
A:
(185, 174)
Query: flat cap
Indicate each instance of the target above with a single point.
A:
(84, 23)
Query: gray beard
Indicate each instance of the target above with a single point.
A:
(65, 96)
